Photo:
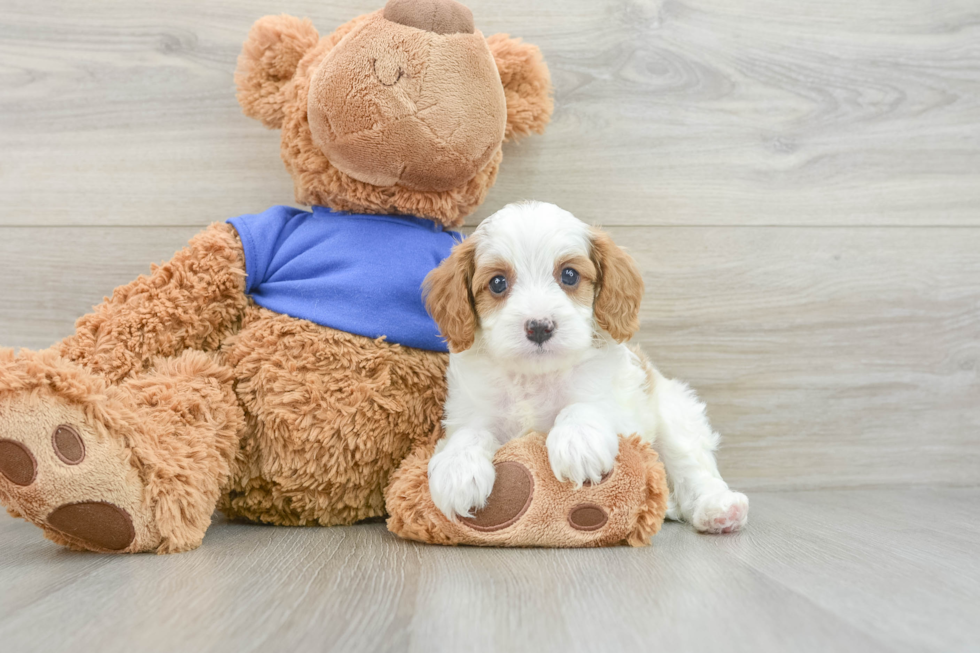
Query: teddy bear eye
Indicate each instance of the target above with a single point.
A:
(569, 277)
(498, 284)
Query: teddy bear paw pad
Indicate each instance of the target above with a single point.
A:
(17, 463)
(508, 501)
(68, 444)
(98, 524)
(587, 517)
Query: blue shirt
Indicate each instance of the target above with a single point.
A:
(356, 273)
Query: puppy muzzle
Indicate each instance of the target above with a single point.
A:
(538, 331)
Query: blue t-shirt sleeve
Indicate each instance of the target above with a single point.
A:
(261, 234)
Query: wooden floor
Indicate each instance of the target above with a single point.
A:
(846, 570)
(800, 184)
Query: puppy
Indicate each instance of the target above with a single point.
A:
(536, 307)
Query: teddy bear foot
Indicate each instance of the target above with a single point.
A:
(136, 466)
(530, 507)
(69, 477)
(60, 466)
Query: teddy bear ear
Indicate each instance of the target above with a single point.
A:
(527, 85)
(269, 57)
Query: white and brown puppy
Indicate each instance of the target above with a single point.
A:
(536, 306)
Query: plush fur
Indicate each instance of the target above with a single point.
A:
(331, 415)
(633, 498)
(384, 169)
(185, 396)
(537, 307)
(158, 445)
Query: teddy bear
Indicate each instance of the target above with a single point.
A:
(282, 366)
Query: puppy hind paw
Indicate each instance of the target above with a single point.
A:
(721, 512)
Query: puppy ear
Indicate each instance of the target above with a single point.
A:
(527, 85)
(449, 298)
(269, 57)
(620, 288)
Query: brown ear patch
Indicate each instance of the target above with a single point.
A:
(587, 517)
(68, 445)
(96, 523)
(617, 303)
(17, 463)
(508, 501)
(449, 298)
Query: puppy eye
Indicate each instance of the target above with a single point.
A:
(498, 284)
(569, 277)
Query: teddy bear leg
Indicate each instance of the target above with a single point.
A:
(116, 468)
(330, 414)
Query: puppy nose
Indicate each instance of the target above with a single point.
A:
(539, 330)
(439, 16)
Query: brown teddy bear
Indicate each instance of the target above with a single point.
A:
(281, 366)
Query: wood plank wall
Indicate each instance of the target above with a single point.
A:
(800, 182)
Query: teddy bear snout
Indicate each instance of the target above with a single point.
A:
(439, 16)
(387, 71)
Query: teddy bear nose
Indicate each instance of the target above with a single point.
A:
(439, 16)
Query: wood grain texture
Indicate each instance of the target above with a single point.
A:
(800, 183)
(695, 112)
(856, 570)
(827, 357)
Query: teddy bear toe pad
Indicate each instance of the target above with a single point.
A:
(17, 463)
(587, 517)
(68, 444)
(508, 501)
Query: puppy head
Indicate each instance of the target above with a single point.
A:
(533, 283)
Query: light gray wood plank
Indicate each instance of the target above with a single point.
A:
(53, 276)
(827, 357)
(856, 570)
(32, 570)
(697, 112)
(894, 552)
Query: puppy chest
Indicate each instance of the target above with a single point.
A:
(530, 405)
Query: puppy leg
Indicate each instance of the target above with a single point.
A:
(461, 472)
(582, 444)
(686, 444)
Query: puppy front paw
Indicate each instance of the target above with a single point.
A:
(581, 452)
(721, 512)
(460, 480)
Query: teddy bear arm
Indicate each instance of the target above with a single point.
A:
(191, 302)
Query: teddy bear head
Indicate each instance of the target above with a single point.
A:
(403, 110)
